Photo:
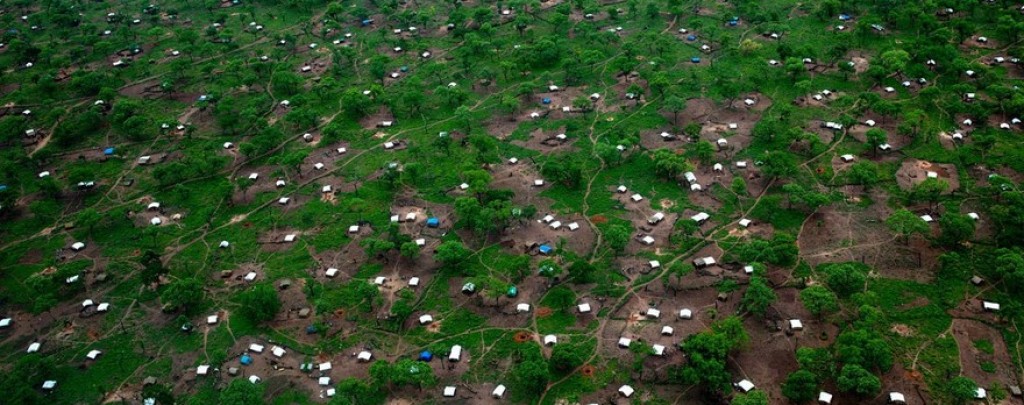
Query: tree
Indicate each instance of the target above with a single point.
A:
(451, 253)
(844, 278)
(778, 164)
(819, 300)
(675, 105)
(410, 250)
(956, 229)
(864, 348)
(895, 60)
(800, 386)
(566, 169)
(242, 392)
(565, 358)
(659, 83)
(704, 152)
(375, 247)
(1010, 268)
(961, 389)
(510, 105)
(532, 376)
(581, 272)
(259, 303)
(88, 218)
(152, 267)
(707, 354)
(352, 391)
(750, 398)
(929, 190)
(876, 137)
(355, 103)
(582, 103)
(286, 83)
(795, 68)
(669, 164)
(758, 297)
(464, 116)
(617, 237)
(816, 360)
(904, 223)
(855, 379)
(865, 174)
(184, 293)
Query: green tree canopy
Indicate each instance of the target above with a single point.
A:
(259, 303)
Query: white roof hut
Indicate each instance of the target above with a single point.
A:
(498, 392)
(745, 385)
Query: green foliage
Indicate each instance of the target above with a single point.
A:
(185, 294)
(707, 354)
(532, 376)
(259, 303)
(566, 358)
(956, 229)
(750, 398)
(819, 300)
(844, 278)
(452, 253)
(352, 391)
(780, 250)
(855, 379)
(758, 297)
(864, 348)
(669, 164)
(961, 389)
(241, 392)
(800, 386)
(904, 223)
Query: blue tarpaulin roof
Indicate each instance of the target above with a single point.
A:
(546, 100)
(695, 59)
(108, 151)
(433, 222)
(426, 356)
(3, 187)
(545, 249)
(245, 360)
(691, 37)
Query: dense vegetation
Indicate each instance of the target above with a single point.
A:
(212, 157)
